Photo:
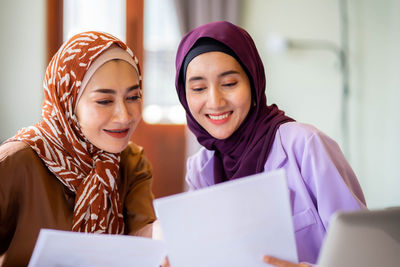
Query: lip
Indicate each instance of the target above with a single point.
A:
(223, 117)
(117, 133)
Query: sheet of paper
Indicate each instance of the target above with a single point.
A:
(229, 224)
(63, 248)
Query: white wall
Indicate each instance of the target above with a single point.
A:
(22, 64)
(307, 83)
(376, 85)
(300, 82)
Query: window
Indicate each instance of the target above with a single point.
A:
(161, 39)
(94, 15)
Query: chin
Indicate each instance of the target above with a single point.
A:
(220, 136)
(115, 149)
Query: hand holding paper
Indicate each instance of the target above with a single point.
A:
(231, 224)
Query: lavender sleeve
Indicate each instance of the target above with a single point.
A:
(329, 177)
(199, 170)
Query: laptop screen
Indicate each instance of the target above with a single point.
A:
(363, 238)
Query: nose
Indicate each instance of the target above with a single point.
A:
(121, 113)
(215, 98)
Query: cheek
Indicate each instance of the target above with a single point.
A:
(194, 104)
(243, 101)
(90, 116)
(246, 105)
(136, 112)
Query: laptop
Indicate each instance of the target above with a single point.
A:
(363, 238)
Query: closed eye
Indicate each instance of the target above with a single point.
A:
(134, 98)
(104, 102)
(198, 89)
(229, 84)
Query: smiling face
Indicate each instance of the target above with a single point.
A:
(110, 107)
(218, 93)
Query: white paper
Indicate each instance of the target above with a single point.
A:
(229, 224)
(63, 248)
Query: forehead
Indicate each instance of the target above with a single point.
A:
(115, 70)
(113, 74)
(115, 65)
(213, 63)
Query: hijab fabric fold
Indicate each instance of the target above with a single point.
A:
(84, 169)
(246, 150)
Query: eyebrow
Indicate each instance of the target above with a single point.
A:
(112, 91)
(228, 72)
(196, 78)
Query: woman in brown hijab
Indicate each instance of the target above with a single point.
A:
(76, 169)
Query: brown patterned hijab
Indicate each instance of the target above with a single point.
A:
(87, 171)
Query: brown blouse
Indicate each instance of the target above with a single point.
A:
(31, 198)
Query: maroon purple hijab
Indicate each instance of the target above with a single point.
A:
(246, 150)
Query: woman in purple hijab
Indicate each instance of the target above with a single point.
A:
(220, 82)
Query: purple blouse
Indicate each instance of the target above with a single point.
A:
(319, 178)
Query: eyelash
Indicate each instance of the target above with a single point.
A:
(134, 97)
(229, 84)
(103, 102)
(225, 85)
(198, 89)
(130, 98)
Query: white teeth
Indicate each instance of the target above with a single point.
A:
(219, 117)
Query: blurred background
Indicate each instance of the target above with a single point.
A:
(331, 63)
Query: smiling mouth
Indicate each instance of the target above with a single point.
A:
(118, 133)
(219, 118)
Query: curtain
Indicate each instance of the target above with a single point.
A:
(193, 13)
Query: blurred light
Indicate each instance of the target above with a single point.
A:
(277, 43)
(152, 114)
(176, 114)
